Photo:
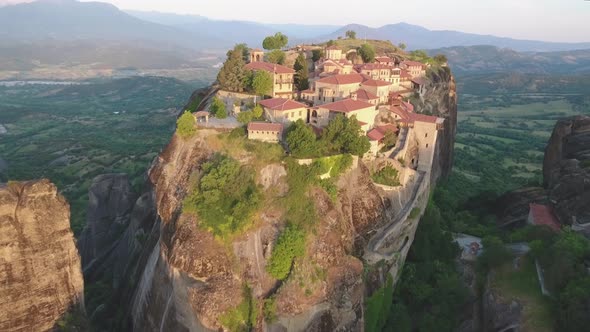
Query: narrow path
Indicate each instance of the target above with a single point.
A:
(401, 142)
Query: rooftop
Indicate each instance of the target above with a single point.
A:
(375, 135)
(265, 126)
(365, 95)
(281, 104)
(347, 105)
(344, 79)
(376, 83)
(269, 67)
(413, 63)
(543, 215)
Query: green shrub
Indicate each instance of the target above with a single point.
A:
(245, 117)
(225, 198)
(270, 310)
(290, 245)
(218, 108)
(415, 213)
(330, 187)
(378, 306)
(185, 125)
(244, 316)
(238, 132)
(387, 176)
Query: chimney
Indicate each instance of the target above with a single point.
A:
(353, 96)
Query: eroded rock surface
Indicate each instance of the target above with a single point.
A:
(40, 270)
(566, 169)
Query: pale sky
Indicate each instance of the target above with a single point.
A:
(548, 20)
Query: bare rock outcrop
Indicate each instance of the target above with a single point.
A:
(40, 269)
(566, 169)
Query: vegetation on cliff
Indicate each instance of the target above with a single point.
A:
(225, 198)
(429, 295)
(185, 125)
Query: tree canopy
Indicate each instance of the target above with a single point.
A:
(317, 54)
(218, 108)
(275, 42)
(402, 46)
(351, 34)
(301, 140)
(262, 83)
(232, 75)
(343, 135)
(185, 125)
(367, 52)
(301, 73)
(276, 56)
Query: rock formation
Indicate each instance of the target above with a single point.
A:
(173, 275)
(566, 170)
(40, 273)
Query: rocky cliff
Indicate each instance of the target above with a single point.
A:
(170, 274)
(440, 98)
(566, 170)
(39, 263)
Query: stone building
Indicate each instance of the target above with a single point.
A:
(282, 78)
(365, 112)
(284, 110)
(265, 131)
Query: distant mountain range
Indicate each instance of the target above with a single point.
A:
(417, 37)
(488, 59)
(68, 32)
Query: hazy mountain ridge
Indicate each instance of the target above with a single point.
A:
(483, 58)
(417, 37)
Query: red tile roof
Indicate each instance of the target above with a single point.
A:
(375, 135)
(265, 126)
(408, 106)
(386, 128)
(405, 74)
(333, 47)
(347, 105)
(376, 83)
(423, 118)
(200, 114)
(269, 67)
(365, 95)
(308, 91)
(413, 117)
(374, 66)
(413, 63)
(344, 79)
(419, 80)
(281, 104)
(543, 215)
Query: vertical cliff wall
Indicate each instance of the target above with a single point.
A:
(439, 98)
(566, 170)
(40, 271)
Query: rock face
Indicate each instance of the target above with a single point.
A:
(440, 99)
(180, 278)
(566, 170)
(39, 263)
(110, 201)
(500, 315)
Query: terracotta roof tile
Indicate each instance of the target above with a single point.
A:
(376, 83)
(265, 126)
(347, 105)
(281, 104)
(344, 79)
(543, 215)
(375, 135)
(365, 95)
(269, 67)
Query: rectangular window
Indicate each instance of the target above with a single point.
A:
(292, 114)
(300, 112)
